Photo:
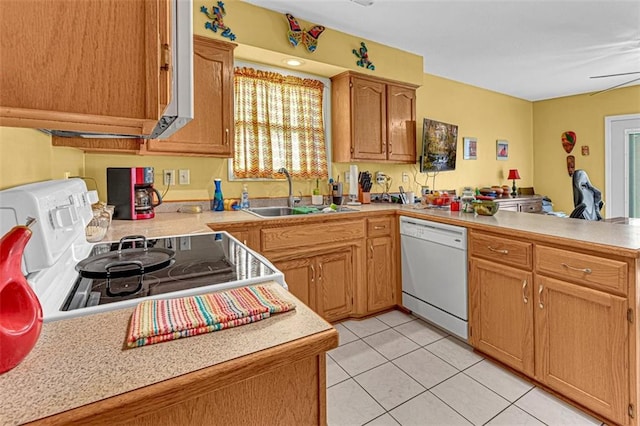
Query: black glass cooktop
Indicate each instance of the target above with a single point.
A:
(200, 260)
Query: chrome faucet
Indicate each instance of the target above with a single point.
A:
(286, 173)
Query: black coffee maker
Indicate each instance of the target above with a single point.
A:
(131, 191)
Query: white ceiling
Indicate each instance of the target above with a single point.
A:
(530, 49)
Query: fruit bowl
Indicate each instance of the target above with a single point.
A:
(485, 207)
(437, 200)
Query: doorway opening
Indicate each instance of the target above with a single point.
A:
(622, 166)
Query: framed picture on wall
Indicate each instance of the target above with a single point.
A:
(470, 148)
(502, 150)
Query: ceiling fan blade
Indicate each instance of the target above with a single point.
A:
(615, 75)
(616, 86)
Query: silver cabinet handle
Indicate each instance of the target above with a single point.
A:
(378, 227)
(320, 274)
(371, 248)
(585, 270)
(540, 304)
(525, 299)
(313, 273)
(226, 136)
(498, 250)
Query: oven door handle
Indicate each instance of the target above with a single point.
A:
(108, 267)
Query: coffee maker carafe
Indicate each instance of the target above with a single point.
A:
(132, 193)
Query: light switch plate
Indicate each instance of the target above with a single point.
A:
(184, 177)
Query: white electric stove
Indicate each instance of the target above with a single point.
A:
(73, 277)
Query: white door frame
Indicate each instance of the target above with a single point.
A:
(609, 160)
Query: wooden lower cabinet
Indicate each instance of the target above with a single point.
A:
(380, 274)
(324, 282)
(582, 346)
(569, 331)
(501, 314)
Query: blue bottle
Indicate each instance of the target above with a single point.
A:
(217, 204)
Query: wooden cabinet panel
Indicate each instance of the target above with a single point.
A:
(373, 119)
(369, 120)
(581, 346)
(335, 285)
(380, 274)
(401, 119)
(211, 130)
(246, 234)
(583, 269)
(379, 226)
(300, 276)
(503, 251)
(79, 66)
(501, 313)
(296, 236)
(523, 204)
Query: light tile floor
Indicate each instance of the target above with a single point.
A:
(395, 369)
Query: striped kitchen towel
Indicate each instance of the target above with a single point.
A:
(155, 321)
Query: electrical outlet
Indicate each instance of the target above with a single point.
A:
(380, 178)
(184, 177)
(405, 177)
(185, 243)
(169, 177)
(347, 177)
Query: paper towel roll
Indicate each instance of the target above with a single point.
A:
(353, 180)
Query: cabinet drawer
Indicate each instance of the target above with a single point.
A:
(297, 236)
(379, 226)
(584, 269)
(501, 250)
(530, 207)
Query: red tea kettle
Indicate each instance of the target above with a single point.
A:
(20, 310)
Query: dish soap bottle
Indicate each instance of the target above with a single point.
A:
(244, 200)
(217, 204)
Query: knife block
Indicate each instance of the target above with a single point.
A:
(364, 197)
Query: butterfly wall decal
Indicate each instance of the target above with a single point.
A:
(298, 35)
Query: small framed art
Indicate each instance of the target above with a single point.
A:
(502, 150)
(470, 148)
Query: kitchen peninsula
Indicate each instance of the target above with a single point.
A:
(588, 323)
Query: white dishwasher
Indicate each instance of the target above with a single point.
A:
(434, 273)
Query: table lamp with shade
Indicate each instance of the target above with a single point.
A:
(513, 175)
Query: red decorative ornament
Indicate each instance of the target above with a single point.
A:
(20, 310)
(569, 141)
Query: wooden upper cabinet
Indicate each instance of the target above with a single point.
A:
(83, 65)
(372, 119)
(211, 130)
(368, 119)
(401, 123)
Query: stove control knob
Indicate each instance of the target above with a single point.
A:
(64, 217)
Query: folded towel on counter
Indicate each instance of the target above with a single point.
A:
(155, 321)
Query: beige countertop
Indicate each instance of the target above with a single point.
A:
(608, 234)
(82, 360)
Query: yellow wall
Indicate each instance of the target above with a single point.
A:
(479, 113)
(533, 130)
(584, 115)
(26, 156)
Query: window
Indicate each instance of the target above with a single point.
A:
(278, 123)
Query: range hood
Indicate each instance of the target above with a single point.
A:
(180, 110)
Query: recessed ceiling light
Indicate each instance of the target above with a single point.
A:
(363, 2)
(293, 62)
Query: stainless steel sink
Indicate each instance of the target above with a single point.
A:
(271, 211)
(288, 211)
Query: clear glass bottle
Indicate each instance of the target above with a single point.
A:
(244, 200)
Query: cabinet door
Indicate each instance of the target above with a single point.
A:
(83, 65)
(335, 284)
(300, 276)
(581, 346)
(211, 130)
(368, 119)
(401, 122)
(501, 320)
(380, 274)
